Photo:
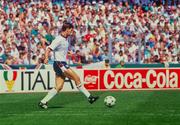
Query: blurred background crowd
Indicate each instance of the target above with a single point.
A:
(132, 31)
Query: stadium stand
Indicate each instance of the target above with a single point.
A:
(139, 32)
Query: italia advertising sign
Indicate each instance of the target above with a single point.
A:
(24, 81)
(20, 81)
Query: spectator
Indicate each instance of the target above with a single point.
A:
(22, 47)
(9, 60)
(34, 60)
(121, 57)
(106, 64)
(14, 51)
(97, 53)
(121, 64)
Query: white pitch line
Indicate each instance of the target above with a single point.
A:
(86, 114)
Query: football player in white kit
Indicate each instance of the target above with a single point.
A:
(60, 48)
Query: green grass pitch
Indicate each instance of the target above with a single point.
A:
(132, 108)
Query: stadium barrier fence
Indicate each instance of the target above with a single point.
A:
(42, 80)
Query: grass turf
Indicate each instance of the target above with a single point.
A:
(132, 108)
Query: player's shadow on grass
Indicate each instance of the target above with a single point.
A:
(55, 107)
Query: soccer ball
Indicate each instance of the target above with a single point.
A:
(109, 101)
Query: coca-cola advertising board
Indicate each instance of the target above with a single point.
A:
(132, 79)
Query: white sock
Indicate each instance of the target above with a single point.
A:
(82, 89)
(49, 96)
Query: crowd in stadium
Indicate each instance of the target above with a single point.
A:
(138, 32)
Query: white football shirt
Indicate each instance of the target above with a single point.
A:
(60, 48)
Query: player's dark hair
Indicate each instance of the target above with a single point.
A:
(66, 25)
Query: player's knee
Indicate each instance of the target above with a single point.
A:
(77, 80)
